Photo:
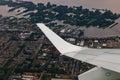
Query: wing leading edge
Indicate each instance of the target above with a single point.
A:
(105, 58)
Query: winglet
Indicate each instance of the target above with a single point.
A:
(58, 42)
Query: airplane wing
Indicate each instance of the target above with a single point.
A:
(107, 60)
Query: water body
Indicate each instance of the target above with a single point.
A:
(113, 5)
(4, 11)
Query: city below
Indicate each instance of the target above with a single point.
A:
(27, 54)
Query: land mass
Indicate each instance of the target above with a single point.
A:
(59, 15)
(25, 51)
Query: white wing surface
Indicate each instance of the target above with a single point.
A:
(98, 73)
(105, 58)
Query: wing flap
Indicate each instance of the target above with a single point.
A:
(99, 74)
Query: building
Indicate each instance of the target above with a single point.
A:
(27, 77)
